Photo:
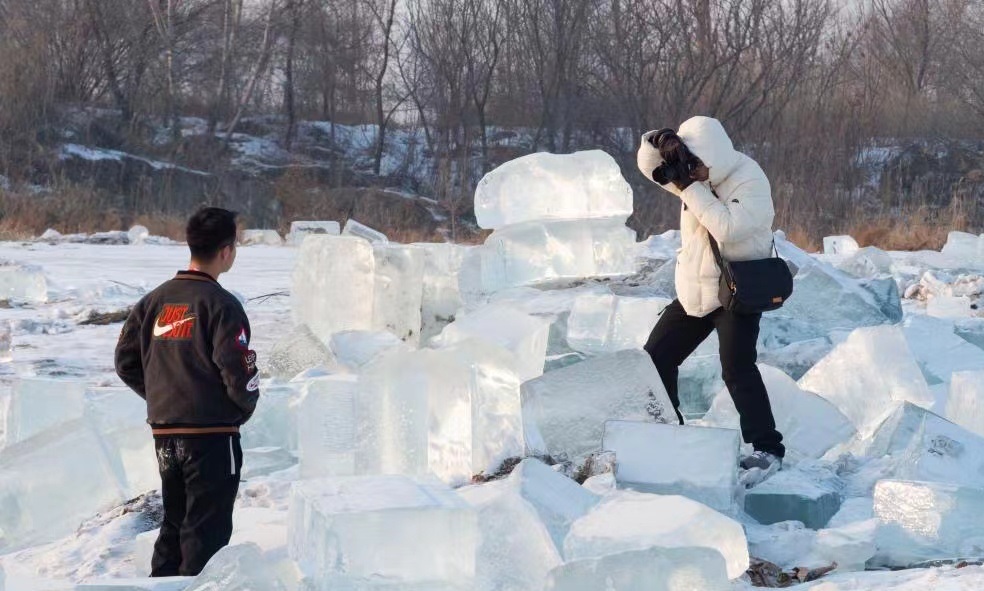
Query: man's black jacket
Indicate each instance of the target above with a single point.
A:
(185, 349)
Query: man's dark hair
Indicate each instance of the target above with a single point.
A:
(210, 230)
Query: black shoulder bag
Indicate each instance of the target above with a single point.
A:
(753, 287)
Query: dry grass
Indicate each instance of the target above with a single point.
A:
(75, 210)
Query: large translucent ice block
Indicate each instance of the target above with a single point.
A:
(453, 412)
(52, 483)
(22, 283)
(926, 521)
(654, 569)
(564, 411)
(302, 229)
(544, 186)
(386, 528)
(441, 295)
(628, 520)
(604, 323)
(925, 446)
(37, 404)
(965, 405)
(501, 324)
(867, 375)
(515, 550)
(398, 292)
(119, 417)
(334, 284)
(658, 458)
(533, 252)
(810, 425)
(326, 426)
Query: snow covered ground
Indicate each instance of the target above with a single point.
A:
(875, 368)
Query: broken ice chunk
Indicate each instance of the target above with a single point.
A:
(792, 495)
(515, 549)
(22, 283)
(927, 521)
(867, 375)
(653, 569)
(255, 236)
(925, 446)
(842, 245)
(628, 520)
(657, 458)
(558, 500)
(565, 410)
(354, 228)
(545, 186)
(810, 425)
(273, 424)
(386, 528)
(302, 229)
(939, 351)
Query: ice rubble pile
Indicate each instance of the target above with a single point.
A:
(411, 389)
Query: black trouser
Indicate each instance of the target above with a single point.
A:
(677, 335)
(199, 482)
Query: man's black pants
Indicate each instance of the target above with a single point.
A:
(677, 335)
(199, 482)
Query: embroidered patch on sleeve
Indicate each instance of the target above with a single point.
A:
(254, 383)
(242, 339)
(249, 361)
(174, 323)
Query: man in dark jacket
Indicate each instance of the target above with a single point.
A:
(185, 350)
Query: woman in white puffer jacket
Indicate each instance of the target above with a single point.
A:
(728, 196)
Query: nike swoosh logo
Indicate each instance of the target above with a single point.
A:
(160, 331)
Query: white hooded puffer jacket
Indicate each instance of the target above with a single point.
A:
(740, 217)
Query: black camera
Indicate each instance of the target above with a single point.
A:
(678, 161)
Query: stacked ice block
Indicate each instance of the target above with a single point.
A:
(555, 217)
(347, 283)
(453, 412)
